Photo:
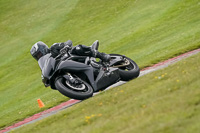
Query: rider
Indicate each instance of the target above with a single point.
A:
(40, 49)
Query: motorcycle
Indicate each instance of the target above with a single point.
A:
(78, 77)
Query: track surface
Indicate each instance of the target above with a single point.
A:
(71, 102)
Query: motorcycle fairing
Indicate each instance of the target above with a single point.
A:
(73, 66)
(105, 79)
(47, 65)
(45, 61)
(102, 81)
(42, 60)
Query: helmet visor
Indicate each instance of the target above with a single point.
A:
(37, 55)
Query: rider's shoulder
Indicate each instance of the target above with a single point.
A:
(57, 45)
(61, 44)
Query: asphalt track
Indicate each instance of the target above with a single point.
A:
(71, 102)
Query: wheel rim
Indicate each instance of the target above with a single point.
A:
(76, 87)
(130, 66)
(64, 89)
(126, 65)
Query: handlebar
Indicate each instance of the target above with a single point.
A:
(60, 55)
(63, 51)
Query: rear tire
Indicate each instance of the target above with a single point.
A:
(129, 72)
(63, 88)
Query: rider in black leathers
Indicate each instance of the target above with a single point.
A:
(81, 50)
(40, 49)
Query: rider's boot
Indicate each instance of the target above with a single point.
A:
(104, 57)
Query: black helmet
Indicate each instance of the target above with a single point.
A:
(39, 49)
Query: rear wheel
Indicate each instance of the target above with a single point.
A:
(79, 91)
(128, 69)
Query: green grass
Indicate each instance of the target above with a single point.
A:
(166, 101)
(148, 31)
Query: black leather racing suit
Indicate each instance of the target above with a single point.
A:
(81, 50)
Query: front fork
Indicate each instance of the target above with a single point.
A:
(45, 81)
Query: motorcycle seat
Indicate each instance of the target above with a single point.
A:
(95, 45)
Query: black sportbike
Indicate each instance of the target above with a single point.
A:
(78, 77)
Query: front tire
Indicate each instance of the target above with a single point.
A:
(66, 90)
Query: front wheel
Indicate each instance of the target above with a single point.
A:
(128, 69)
(81, 91)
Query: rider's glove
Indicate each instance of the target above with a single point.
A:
(65, 49)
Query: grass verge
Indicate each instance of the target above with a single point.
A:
(147, 31)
